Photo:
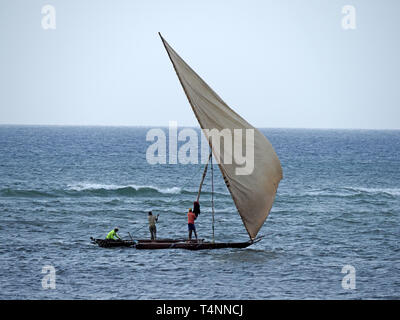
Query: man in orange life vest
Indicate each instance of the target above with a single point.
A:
(191, 227)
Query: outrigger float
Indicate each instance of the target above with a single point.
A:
(252, 188)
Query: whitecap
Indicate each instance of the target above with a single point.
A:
(98, 186)
(389, 191)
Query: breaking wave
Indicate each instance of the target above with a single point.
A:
(132, 190)
(104, 190)
(348, 192)
(91, 189)
(123, 189)
(388, 191)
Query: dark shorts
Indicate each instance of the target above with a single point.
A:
(191, 227)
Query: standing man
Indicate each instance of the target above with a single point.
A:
(191, 227)
(152, 225)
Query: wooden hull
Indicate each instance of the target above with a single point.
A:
(170, 244)
(104, 243)
(192, 245)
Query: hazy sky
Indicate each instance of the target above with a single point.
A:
(277, 63)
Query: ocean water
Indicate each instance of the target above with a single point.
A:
(338, 205)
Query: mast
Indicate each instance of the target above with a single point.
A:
(212, 189)
(212, 195)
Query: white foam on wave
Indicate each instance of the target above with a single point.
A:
(344, 191)
(389, 191)
(92, 186)
(98, 186)
(167, 190)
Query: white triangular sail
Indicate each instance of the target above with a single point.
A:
(254, 193)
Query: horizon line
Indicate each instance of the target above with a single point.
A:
(190, 126)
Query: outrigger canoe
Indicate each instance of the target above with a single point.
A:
(252, 187)
(172, 244)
